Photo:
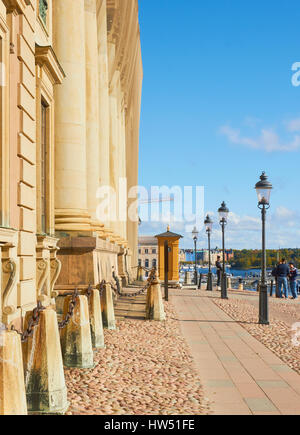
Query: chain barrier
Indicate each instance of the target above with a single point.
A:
(100, 288)
(70, 313)
(35, 318)
(32, 323)
(138, 293)
(73, 303)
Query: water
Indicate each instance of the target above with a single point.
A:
(248, 273)
(251, 276)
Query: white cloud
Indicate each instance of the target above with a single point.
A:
(267, 140)
(242, 231)
(283, 213)
(251, 121)
(293, 125)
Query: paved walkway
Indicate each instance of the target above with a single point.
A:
(240, 375)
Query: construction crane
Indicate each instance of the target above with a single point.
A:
(152, 201)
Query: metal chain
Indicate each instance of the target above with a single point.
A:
(70, 313)
(118, 290)
(100, 288)
(35, 318)
(32, 323)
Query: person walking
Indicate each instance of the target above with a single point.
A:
(283, 272)
(293, 281)
(219, 271)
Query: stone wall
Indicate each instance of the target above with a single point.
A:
(81, 61)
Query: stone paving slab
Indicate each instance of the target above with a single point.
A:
(240, 375)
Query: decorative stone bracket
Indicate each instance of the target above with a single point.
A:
(9, 268)
(9, 274)
(122, 267)
(48, 268)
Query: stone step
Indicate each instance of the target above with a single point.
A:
(130, 308)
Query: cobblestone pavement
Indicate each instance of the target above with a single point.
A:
(278, 336)
(245, 368)
(145, 369)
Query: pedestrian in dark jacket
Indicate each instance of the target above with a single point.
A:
(282, 273)
(219, 271)
(293, 281)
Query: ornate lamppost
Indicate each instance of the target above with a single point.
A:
(263, 189)
(223, 214)
(208, 225)
(195, 238)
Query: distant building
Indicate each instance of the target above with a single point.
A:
(147, 252)
(182, 256)
(203, 255)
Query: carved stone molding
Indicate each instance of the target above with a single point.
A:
(48, 267)
(9, 267)
(42, 267)
(55, 269)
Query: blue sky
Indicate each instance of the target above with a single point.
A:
(219, 107)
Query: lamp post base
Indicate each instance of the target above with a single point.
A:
(224, 287)
(263, 305)
(209, 282)
(196, 278)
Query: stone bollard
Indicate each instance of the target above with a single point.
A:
(188, 278)
(12, 386)
(108, 311)
(149, 300)
(241, 286)
(44, 373)
(140, 274)
(156, 309)
(76, 341)
(96, 320)
(228, 283)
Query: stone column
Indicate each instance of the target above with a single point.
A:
(123, 173)
(114, 144)
(70, 118)
(103, 92)
(92, 107)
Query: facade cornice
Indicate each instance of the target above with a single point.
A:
(19, 5)
(46, 56)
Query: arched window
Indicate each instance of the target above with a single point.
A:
(154, 263)
(147, 263)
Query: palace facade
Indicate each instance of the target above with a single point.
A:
(70, 95)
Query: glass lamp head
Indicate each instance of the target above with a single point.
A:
(223, 212)
(208, 224)
(195, 233)
(263, 190)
